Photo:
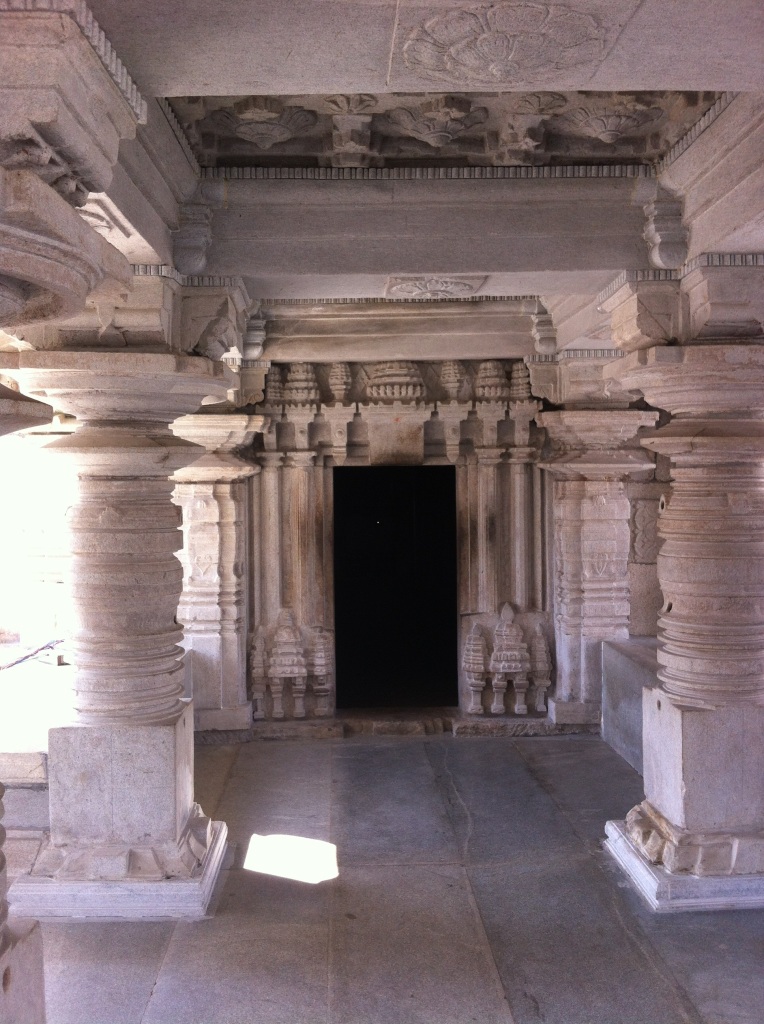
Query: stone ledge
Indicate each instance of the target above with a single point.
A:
(38, 897)
(668, 893)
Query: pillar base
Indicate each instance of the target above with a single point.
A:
(23, 999)
(43, 897)
(667, 892)
(223, 718)
(574, 712)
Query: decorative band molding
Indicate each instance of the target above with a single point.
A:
(577, 353)
(705, 259)
(376, 300)
(633, 277)
(186, 280)
(723, 259)
(426, 173)
(81, 14)
(697, 129)
(179, 133)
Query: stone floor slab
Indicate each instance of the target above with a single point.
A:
(387, 807)
(102, 972)
(263, 958)
(408, 948)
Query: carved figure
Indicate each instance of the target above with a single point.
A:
(509, 660)
(287, 662)
(473, 664)
(320, 668)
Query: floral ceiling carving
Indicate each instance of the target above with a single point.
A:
(434, 287)
(503, 42)
(446, 129)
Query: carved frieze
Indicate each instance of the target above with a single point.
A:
(453, 129)
(491, 384)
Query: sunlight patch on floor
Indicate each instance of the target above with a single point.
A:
(304, 860)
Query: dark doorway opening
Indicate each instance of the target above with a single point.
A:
(395, 586)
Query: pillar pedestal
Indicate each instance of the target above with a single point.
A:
(697, 840)
(127, 839)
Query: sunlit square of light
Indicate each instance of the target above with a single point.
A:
(304, 860)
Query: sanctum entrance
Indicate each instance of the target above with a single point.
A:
(395, 591)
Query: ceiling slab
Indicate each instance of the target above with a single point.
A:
(257, 47)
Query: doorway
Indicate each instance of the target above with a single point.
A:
(395, 586)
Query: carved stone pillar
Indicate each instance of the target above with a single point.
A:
(298, 542)
(126, 837)
(212, 492)
(270, 535)
(592, 539)
(487, 533)
(697, 841)
(21, 953)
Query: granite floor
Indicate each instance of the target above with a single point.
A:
(472, 888)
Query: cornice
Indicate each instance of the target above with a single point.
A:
(82, 16)
(563, 171)
(697, 129)
(376, 300)
(186, 280)
(180, 135)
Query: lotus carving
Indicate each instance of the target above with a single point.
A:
(503, 42)
(610, 127)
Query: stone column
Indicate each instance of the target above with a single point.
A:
(592, 538)
(488, 460)
(697, 841)
(212, 492)
(22, 994)
(126, 839)
(270, 535)
(298, 536)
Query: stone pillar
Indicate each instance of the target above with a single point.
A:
(697, 841)
(127, 839)
(298, 546)
(270, 535)
(22, 993)
(212, 492)
(488, 460)
(592, 539)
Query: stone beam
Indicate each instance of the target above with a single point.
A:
(402, 225)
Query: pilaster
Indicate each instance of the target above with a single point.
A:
(595, 456)
(212, 493)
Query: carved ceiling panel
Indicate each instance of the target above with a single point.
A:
(439, 129)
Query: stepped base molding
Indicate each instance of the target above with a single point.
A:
(130, 899)
(574, 712)
(667, 892)
(223, 718)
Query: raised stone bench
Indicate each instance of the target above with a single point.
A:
(628, 667)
